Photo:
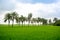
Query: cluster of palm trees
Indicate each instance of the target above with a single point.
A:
(10, 17)
(14, 16)
(54, 20)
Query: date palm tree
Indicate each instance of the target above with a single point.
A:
(18, 20)
(22, 19)
(39, 20)
(29, 18)
(55, 19)
(7, 18)
(50, 21)
(14, 15)
(34, 20)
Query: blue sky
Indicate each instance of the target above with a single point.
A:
(8, 5)
(37, 1)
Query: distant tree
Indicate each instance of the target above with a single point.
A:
(18, 20)
(55, 19)
(14, 15)
(44, 21)
(50, 21)
(34, 20)
(7, 18)
(29, 18)
(22, 19)
(57, 23)
(39, 20)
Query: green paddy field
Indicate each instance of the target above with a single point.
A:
(33, 32)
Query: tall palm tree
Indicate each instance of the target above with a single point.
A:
(34, 20)
(39, 20)
(50, 21)
(22, 19)
(25, 20)
(29, 18)
(7, 18)
(14, 15)
(55, 19)
(18, 20)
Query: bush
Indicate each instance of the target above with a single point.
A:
(57, 23)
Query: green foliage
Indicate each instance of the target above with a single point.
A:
(50, 21)
(10, 16)
(44, 21)
(22, 19)
(34, 20)
(55, 19)
(14, 16)
(29, 18)
(29, 15)
(57, 23)
(7, 17)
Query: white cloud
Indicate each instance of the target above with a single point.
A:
(39, 9)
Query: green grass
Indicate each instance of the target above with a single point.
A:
(43, 32)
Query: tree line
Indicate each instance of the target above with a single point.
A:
(15, 16)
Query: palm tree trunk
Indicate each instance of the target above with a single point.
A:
(28, 23)
(38, 24)
(19, 24)
(8, 22)
(35, 23)
(22, 23)
(12, 23)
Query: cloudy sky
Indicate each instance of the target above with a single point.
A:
(39, 8)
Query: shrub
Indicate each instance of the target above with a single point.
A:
(57, 23)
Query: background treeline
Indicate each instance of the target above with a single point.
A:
(21, 19)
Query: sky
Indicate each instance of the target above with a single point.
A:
(39, 8)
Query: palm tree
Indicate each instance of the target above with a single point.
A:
(44, 21)
(34, 20)
(14, 15)
(55, 19)
(25, 20)
(18, 20)
(22, 19)
(39, 20)
(7, 18)
(50, 21)
(29, 18)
